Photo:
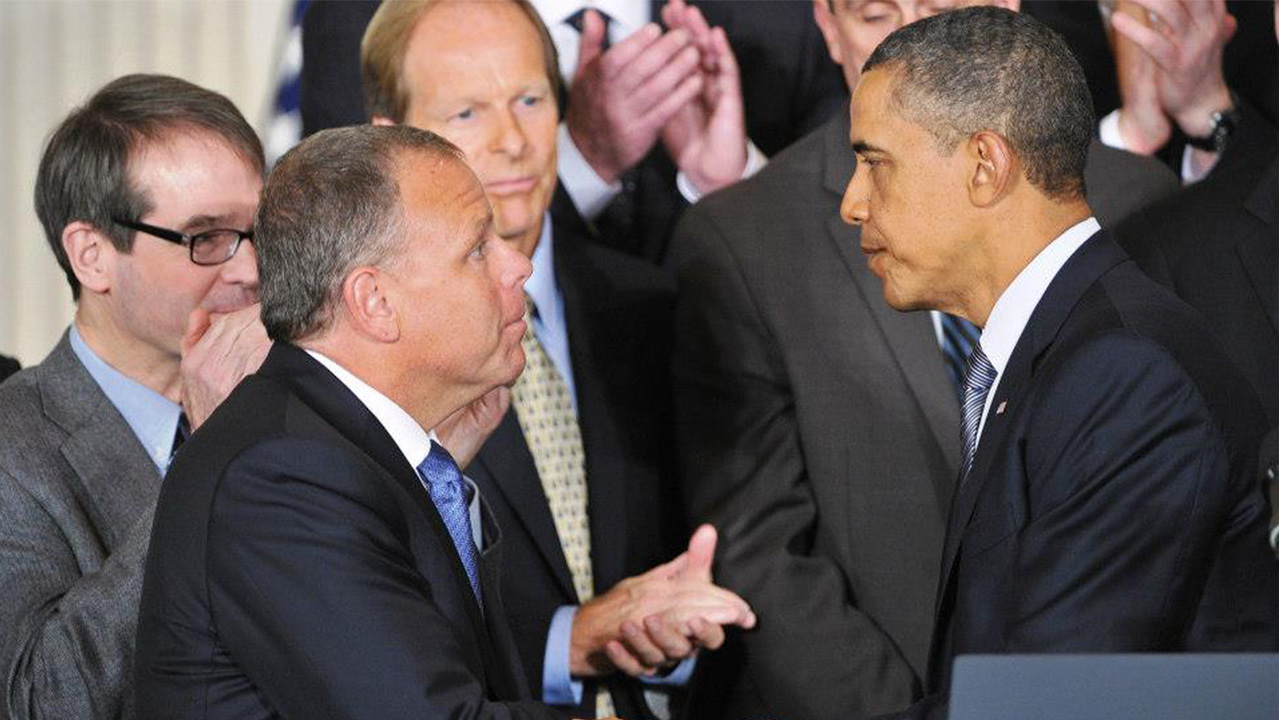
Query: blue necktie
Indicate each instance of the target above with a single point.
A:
(449, 493)
(958, 338)
(978, 377)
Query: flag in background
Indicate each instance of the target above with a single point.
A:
(284, 129)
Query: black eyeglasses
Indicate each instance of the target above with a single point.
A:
(211, 247)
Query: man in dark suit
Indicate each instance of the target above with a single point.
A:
(316, 552)
(782, 342)
(146, 194)
(579, 472)
(787, 89)
(1107, 497)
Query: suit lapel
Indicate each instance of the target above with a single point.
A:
(506, 458)
(107, 458)
(1258, 254)
(910, 336)
(1098, 255)
(586, 308)
(338, 406)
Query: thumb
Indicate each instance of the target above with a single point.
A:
(701, 554)
(197, 324)
(591, 43)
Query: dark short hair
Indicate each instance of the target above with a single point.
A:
(986, 68)
(85, 170)
(330, 205)
(386, 42)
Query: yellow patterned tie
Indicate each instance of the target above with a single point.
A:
(550, 426)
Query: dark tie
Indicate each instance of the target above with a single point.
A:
(978, 377)
(449, 493)
(180, 434)
(958, 338)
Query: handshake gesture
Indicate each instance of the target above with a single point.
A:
(647, 623)
(680, 86)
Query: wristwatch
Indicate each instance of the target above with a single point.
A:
(1221, 124)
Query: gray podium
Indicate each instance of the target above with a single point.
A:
(1115, 687)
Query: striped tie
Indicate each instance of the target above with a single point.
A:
(958, 338)
(978, 376)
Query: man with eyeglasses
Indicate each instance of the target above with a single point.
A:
(147, 195)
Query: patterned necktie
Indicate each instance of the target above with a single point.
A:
(449, 493)
(958, 338)
(549, 422)
(978, 377)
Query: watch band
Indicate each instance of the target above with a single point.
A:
(1222, 123)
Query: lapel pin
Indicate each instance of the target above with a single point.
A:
(1003, 404)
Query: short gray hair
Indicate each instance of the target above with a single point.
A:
(85, 169)
(331, 204)
(986, 68)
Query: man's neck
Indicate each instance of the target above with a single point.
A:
(129, 355)
(1012, 245)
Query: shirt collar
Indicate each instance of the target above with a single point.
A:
(541, 285)
(1013, 310)
(152, 417)
(413, 441)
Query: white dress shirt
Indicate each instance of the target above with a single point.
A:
(1011, 312)
(414, 442)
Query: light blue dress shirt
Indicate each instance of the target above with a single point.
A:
(152, 416)
(558, 686)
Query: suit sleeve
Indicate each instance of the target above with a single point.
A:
(744, 471)
(67, 637)
(316, 595)
(1131, 501)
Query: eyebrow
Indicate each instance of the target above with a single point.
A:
(208, 222)
(481, 232)
(861, 148)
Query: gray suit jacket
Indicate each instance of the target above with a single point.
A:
(77, 493)
(819, 431)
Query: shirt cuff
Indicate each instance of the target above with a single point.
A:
(589, 192)
(756, 161)
(1190, 173)
(1109, 131)
(558, 688)
(678, 677)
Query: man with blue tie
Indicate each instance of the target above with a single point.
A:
(579, 472)
(1107, 498)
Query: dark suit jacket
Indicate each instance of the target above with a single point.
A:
(8, 366)
(820, 432)
(299, 569)
(1214, 244)
(1113, 504)
(77, 491)
(789, 84)
(618, 311)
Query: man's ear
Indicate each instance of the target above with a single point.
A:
(826, 20)
(370, 305)
(994, 168)
(91, 254)
(382, 121)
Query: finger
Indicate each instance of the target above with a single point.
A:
(673, 102)
(640, 645)
(591, 42)
(669, 637)
(655, 58)
(197, 325)
(661, 84)
(622, 54)
(697, 24)
(707, 635)
(1171, 14)
(1155, 45)
(702, 552)
(624, 660)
